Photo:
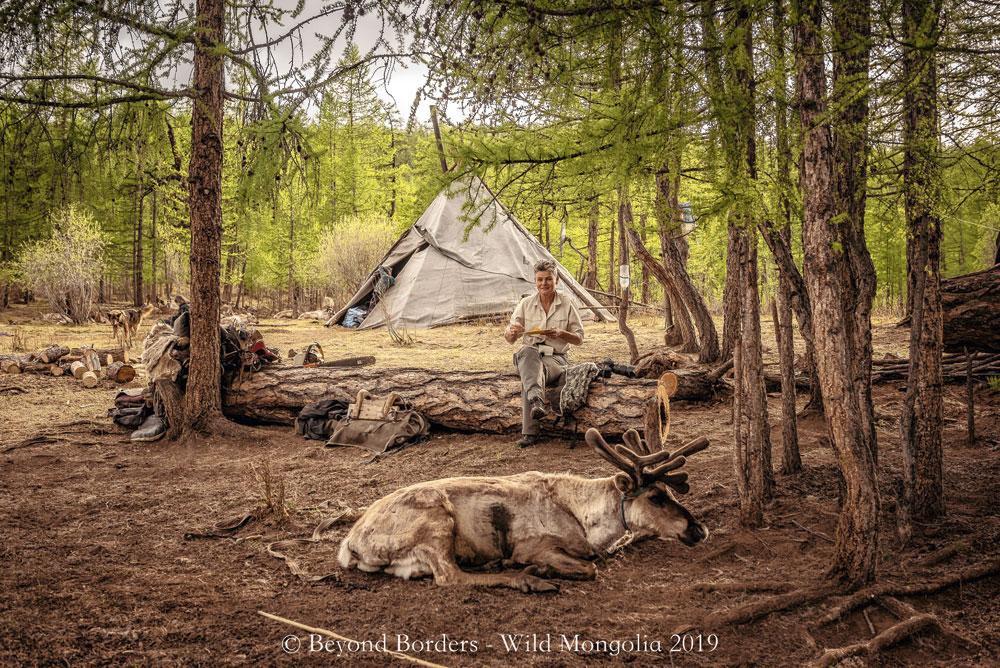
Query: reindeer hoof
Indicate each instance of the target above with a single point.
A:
(530, 584)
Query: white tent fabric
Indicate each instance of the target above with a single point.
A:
(465, 257)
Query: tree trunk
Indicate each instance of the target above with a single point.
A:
(593, 220)
(669, 228)
(832, 293)
(154, 292)
(202, 397)
(673, 274)
(644, 288)
(625, 223)
(923, 407)
(781, 306)
(851, 56)
(751, 433)
(475, 401)
(791, 460)
(731, 296)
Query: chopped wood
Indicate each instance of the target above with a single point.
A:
(78, 369)
(10, 366)
(120, 372)
(91, 359)
(89, 379)
(51, 354)
(116, 354)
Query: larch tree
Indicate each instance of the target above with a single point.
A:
(921, 419)
(829, 243)
(152, 39)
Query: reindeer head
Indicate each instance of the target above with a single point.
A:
(648, 482)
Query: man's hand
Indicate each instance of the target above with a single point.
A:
(513, 331)
(562, 335)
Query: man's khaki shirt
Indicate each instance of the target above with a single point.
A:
(562, 315)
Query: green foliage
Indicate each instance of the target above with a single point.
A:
(66, 267)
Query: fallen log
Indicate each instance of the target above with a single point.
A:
(971, 310)
(481, 401)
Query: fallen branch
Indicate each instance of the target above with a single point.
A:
(741, 587)
(749, 612)
(867, 595)
(884, 640)
(818, 534)
(331, 634)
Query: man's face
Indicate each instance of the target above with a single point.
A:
(545, 283)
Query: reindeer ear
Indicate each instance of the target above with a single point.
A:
(624, 483)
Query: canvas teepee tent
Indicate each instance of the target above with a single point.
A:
(465, 257)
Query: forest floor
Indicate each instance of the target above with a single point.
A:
(98, 569)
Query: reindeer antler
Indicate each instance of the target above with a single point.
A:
(644, 467)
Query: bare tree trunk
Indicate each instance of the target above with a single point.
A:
(644, 293)
(851, 56)
(751, 433)
(203, 402)
(832, 292)
(590, 278)
(153, 241)
(625, 223)
(612, 274)
(731, 296)
(137, 261)
(667, 211)
(791, 460)
(921, 419)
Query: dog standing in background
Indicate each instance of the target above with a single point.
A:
(125, 323)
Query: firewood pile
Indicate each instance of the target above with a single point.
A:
(954, 367)
(88, 365)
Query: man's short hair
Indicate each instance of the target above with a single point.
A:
(546, 265)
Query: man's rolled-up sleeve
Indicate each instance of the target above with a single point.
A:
(517, 317)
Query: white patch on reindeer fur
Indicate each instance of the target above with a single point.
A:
(407, 568)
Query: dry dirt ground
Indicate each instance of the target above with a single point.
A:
(97, 568)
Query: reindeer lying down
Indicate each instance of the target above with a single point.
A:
(555, 524)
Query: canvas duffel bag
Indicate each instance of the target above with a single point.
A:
(379, 425)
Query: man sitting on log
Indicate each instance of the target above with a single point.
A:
(549, 324)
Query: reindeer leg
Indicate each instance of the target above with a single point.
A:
(553, 560)
(556, 563)
(446, 572)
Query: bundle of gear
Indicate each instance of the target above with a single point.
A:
(166, 352)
